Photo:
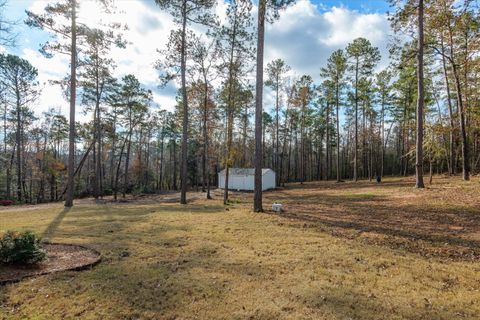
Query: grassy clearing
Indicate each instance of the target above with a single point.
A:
(166, 261)
(442, 220)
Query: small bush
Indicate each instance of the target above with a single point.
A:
(21, 248)
(147, 190)
(6, 202)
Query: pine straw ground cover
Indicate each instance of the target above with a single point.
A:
(61, 257)
(341, 251)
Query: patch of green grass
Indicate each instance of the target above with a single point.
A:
(198, 261)
(232, 201)
(359, 195)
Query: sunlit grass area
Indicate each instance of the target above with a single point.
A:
(200, 261)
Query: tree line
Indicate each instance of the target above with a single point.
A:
(356, 121)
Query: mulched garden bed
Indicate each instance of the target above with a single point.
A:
(60, 257)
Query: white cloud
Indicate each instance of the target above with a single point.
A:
(165, 102)
(305, 37)
(54, 69)
(346, 25)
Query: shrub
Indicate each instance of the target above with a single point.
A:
(21, 248)
(6, 202)
(145, 190)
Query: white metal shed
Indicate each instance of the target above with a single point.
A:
(244, 179)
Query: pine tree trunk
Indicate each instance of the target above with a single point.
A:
(73, 93)
(8, 172)
(284, 151)
(461, 111)
(244, 136)
(463, 130)
(355, 153)
(205, 166)
(302, 146)
(228, 156)
(230, 110)
(127, 164)
(264, 162)
(337, 98)
(296, 158)
(95, 155)
(430, 180)
(174, 165)
(277, 106)
(183, 170)
(382, 138)
(452, 168)
(112, 153)
(98, 168)
(327, 144)
(257, 202)
(420, 101)
(160, 178)
(18, 141)
(117, 174)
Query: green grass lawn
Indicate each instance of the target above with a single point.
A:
(200, 261)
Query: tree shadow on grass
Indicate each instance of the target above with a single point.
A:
(345, 302)
(421, 226)
(361, 184)
(153, 281)
(435, 239)
(152, 264)
(53, 226)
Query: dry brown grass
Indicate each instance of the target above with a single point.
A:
(200, 261)
(441, 220)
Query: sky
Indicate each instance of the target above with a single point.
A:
(304, 36)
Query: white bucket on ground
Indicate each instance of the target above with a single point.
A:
(277, 207)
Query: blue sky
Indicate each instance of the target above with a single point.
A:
(27, 37)
(375, 6)
(304, 37)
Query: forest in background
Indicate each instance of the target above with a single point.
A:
(358, 122)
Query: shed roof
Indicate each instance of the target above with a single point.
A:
(244, 171)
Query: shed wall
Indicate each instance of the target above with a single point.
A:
(247, 182)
